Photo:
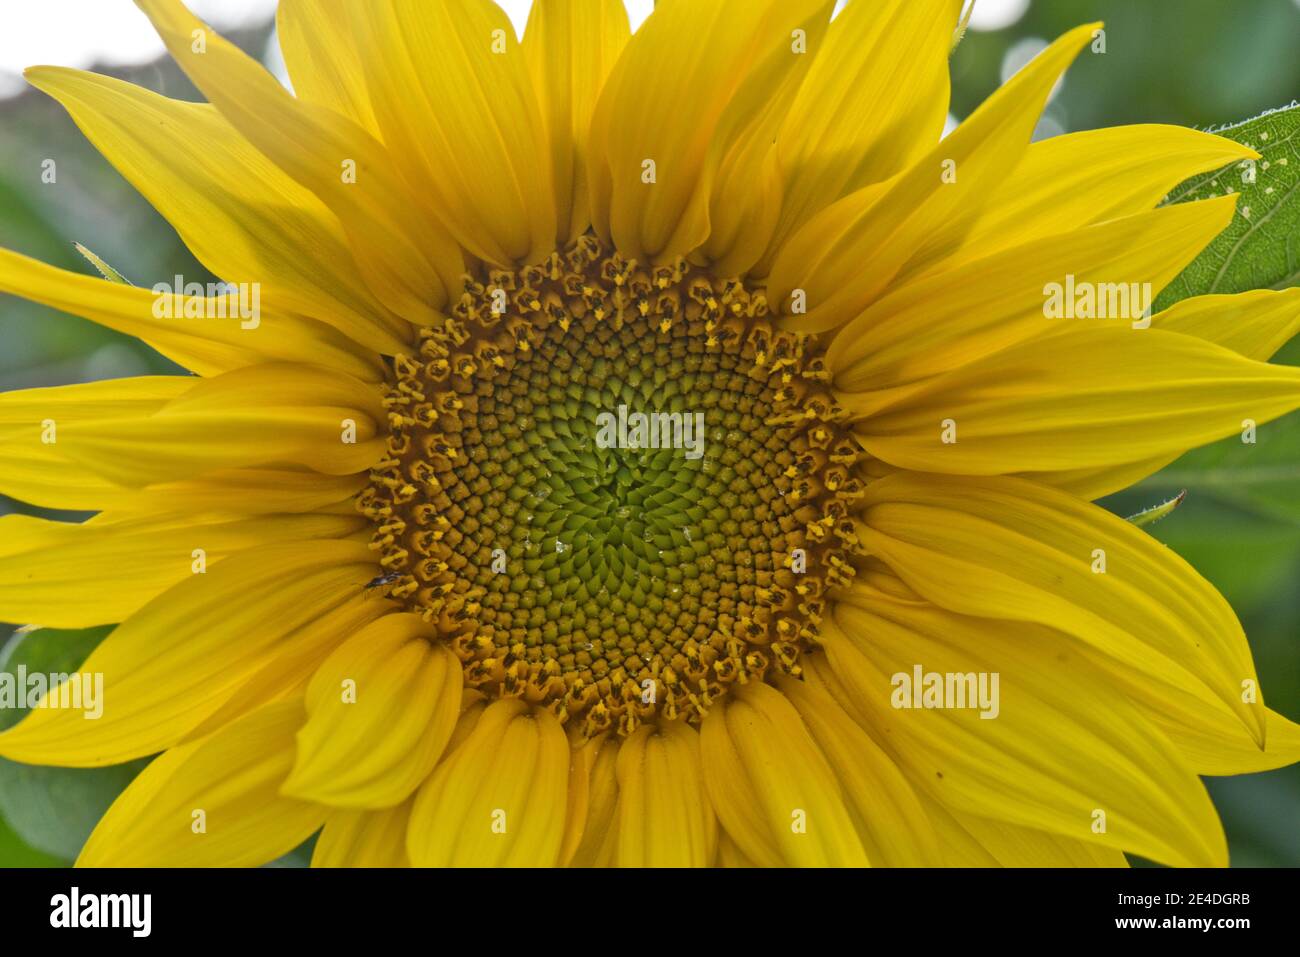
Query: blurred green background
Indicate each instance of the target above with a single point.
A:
(1202, 63)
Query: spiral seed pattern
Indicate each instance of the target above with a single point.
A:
(614, 582)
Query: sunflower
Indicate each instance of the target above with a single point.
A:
(405, 564)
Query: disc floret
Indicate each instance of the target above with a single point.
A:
(625, 583)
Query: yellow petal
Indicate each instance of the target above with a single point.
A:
(107, 398)
(1065, 753)
(323, 59)
(1091, 484)
(1007, 548)
(407, 258)
(729, 855)
(380, 711)
(260, 415)
(206, 346)
(599, 834)
(74, 576)
(664, 815)
(243, 491)
(1066, 182)
(213, 803)
(1088, 398)
(1254, 324)
(874, 101)
(287, 668)
(770, 785)
(472, 705)
(240, 215)
(364, 839)
(186, 652)
(583, 753)
(1000, 844)
(570, 47)
(891, 823)
(497, 800)
(950, 319)
(1215, 745)
(956, 844)
(41, 476)
(1013, 846)
(662, 105)
(32, 465)
(847, 254)
(469, 132)
(967, 840)
(744, 169)
(1208, 735)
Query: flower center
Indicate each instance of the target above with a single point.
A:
(614, 490)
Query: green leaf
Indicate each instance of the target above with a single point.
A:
(1260, 249)
(1149, 516)
(1262, 478)
(15, 853)
(1255, 482)
(300, 856)
(54, 809)
(1253, 562)
(963, 21)
(104, 269)
(46, 651)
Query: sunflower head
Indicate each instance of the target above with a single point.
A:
(653, 449)
(614, 578)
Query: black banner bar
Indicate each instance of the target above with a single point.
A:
(302, 906)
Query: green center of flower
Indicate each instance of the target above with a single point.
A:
(614, 490)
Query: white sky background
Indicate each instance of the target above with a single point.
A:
(81, 33)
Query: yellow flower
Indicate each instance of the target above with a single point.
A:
(379, 572)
